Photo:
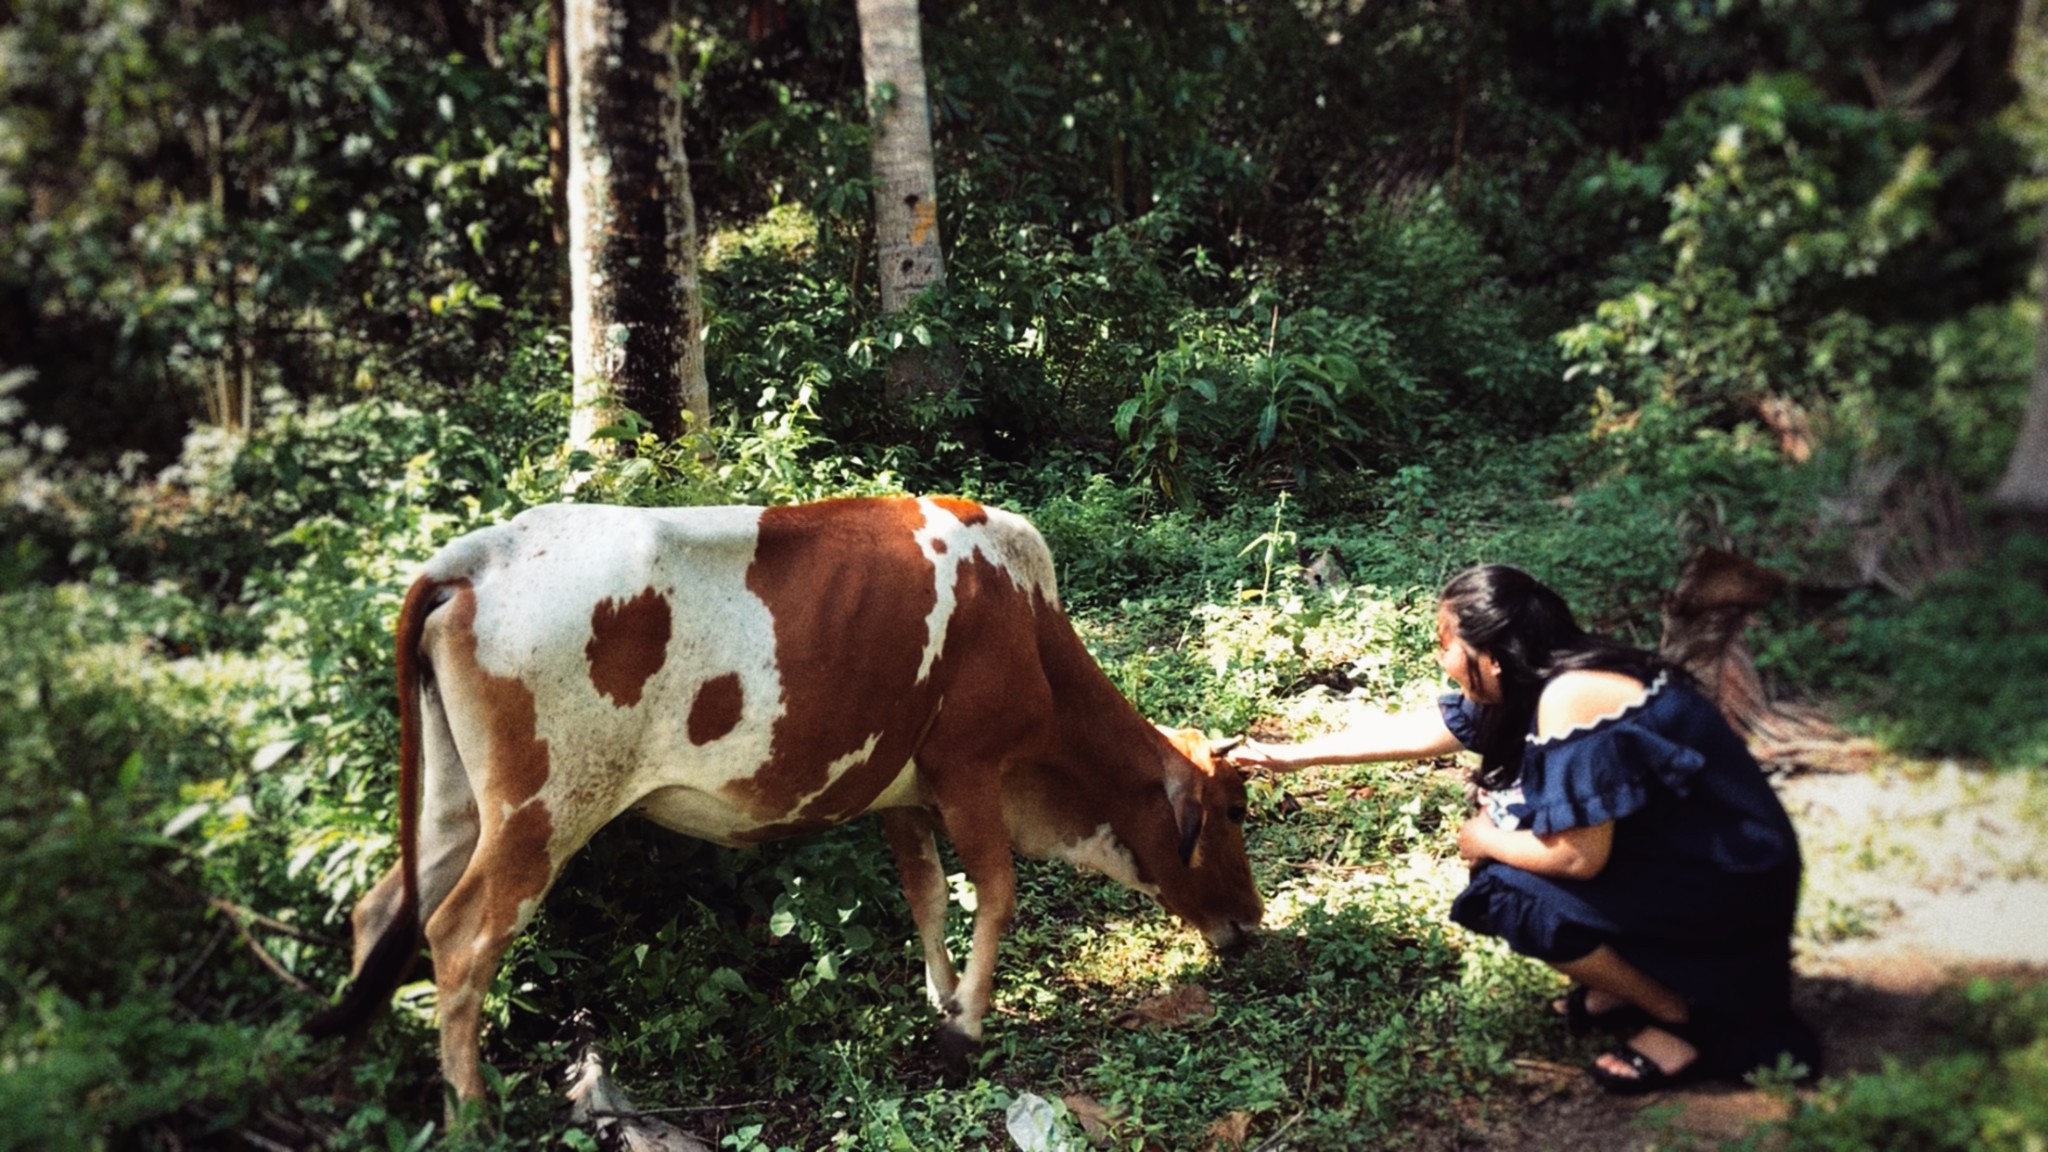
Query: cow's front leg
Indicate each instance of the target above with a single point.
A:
(985, 852)
(924, 885)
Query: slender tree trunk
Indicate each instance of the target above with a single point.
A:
(558, 129)
(637, 315)
(906, 190)
(2024, 490)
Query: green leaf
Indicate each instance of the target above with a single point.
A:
(190, 815)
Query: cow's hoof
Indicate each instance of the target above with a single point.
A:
(956, 1051)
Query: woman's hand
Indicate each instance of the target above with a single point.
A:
(1256, 754)
(1572, 854)
(1474, 836)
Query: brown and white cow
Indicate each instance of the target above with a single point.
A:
(743, 674)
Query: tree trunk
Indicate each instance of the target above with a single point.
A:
(1704, 619)
(2024, 490)
(558, 130)
(906, 191)
(637, 316)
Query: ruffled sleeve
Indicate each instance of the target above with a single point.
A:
(1461, 716)
(1600, 775)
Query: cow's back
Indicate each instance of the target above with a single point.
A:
(736, 673)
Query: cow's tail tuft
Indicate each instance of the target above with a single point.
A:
(392, 956)
(383, 970)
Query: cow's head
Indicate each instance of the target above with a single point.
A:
(1212, 887)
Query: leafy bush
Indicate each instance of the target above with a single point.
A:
(1903, 666)
(1312, 393)
(130, 1004)
(1990, 1092)
(1800, 225)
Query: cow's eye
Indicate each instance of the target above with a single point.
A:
(1236, 813)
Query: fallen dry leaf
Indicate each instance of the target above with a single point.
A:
(1170, 1009)
(1097, 1122)
(1233, 1131)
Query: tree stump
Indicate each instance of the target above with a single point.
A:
(1705, 616)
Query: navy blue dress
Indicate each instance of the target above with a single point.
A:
(1701, 885)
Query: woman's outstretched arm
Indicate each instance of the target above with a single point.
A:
(1409, 735)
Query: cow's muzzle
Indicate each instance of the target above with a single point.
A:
(1231, 939)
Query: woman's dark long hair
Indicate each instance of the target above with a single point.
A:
(1505, 613)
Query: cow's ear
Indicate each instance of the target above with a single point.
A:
(1186, 801)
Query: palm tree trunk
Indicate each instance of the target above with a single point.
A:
(2024, 489)
(906, 189)
(636, 318)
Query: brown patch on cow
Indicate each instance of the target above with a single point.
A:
(525, 870)
(939, 546)
(966, 511)
(849, 590)
(716, 710)
(516, 763)
(628, 644)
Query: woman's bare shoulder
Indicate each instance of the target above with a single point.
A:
(1581, 699)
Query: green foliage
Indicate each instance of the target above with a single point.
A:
(121, 1014)
(205, 206)
(1457, 329)
(1229, 250)
(1231, 394)
(1987, 1093)
(1906, 664)
(1800, 225)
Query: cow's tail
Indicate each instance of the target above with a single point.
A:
(392, 955)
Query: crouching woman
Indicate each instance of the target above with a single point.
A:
(1624, 834)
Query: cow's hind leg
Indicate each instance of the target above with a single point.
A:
(924, 885)
(473, 927)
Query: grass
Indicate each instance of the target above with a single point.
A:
(774, 998)
(1358, 1013)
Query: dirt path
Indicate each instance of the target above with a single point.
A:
(1918, 878)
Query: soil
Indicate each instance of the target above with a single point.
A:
(1919, 879)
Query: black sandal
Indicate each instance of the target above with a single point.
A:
(1648, 1075)
(1582, 1021)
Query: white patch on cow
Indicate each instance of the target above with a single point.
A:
(842, 765)
(1104, 853)
(939, 524)
(539, 578)
(902, 792)
(1007, 541)
(1018, 549)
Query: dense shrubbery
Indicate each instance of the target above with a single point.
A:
(1231, 290)
(1986, 1092)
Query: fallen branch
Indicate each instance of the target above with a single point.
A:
(681, 1108)
(264, 957)
(1273, 1141)
(263, 1142)
(610, 1114)
(1313, 865)
(269, 924)
(199, 962)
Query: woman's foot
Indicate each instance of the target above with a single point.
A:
(1585, 1009)
(1663, 1055)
